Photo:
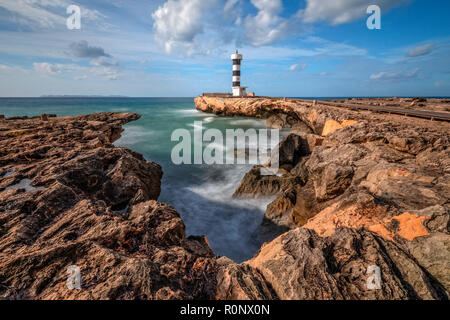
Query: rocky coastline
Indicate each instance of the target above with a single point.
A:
(359, 183)
(357, 190)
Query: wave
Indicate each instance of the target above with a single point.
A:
(135, 134)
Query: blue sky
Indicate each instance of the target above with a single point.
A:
(301, 48)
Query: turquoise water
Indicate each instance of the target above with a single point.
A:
(202, 194)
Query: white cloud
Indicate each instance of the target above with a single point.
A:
(106, 68)
(342, 11)
(33, 12)
(387, 76)
(230, 5)
(298, 67)
(104, 62)
(267, 26)
(332, 48)
(233, 11)
(178, 22)
(107, 73)
(421, 50)
(4, 67)
(45, 13)
(46, 68)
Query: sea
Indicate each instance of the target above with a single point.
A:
(202, 194)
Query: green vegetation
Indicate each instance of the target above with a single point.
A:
(16, 133)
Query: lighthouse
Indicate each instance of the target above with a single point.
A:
(238, 91)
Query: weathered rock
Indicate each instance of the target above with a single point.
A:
(280, 210)
(386, 173)
(68, 197)
(331, 169)
(142, 254)
(255, 185)
(241, 282)
(290, 151)
(405, 186)
(358, 210)
(277, 121)
(294, 207)
(301, 265)
(330, 127)
(333, 181)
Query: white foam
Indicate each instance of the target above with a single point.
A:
(189, 113)
(134, 134)
(222, 191)
(120, 109)
(209, 119)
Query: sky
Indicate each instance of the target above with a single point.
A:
(181, 48)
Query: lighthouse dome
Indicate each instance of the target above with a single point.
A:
(237, 56)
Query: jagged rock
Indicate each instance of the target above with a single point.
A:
(356, 211)
(282, 120)
(300, 265)
(405, 186)
(280, 210)
(241, 282)
(333, 181)
(255, 185)
(314, 141)
(142, 254)
(290, 151)
(294, 207)
(89, 204)
(389, 174)
(277, 121)
(330, 127)
(331, 169)
(429, 230)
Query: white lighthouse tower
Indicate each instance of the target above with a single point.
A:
(238, 91)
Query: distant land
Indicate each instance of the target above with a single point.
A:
(82, 96)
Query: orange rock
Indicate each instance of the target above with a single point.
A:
(330, 127)
(411, 226)
(382, 231)
(396, 172)
(348, 123)
(361, 215)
